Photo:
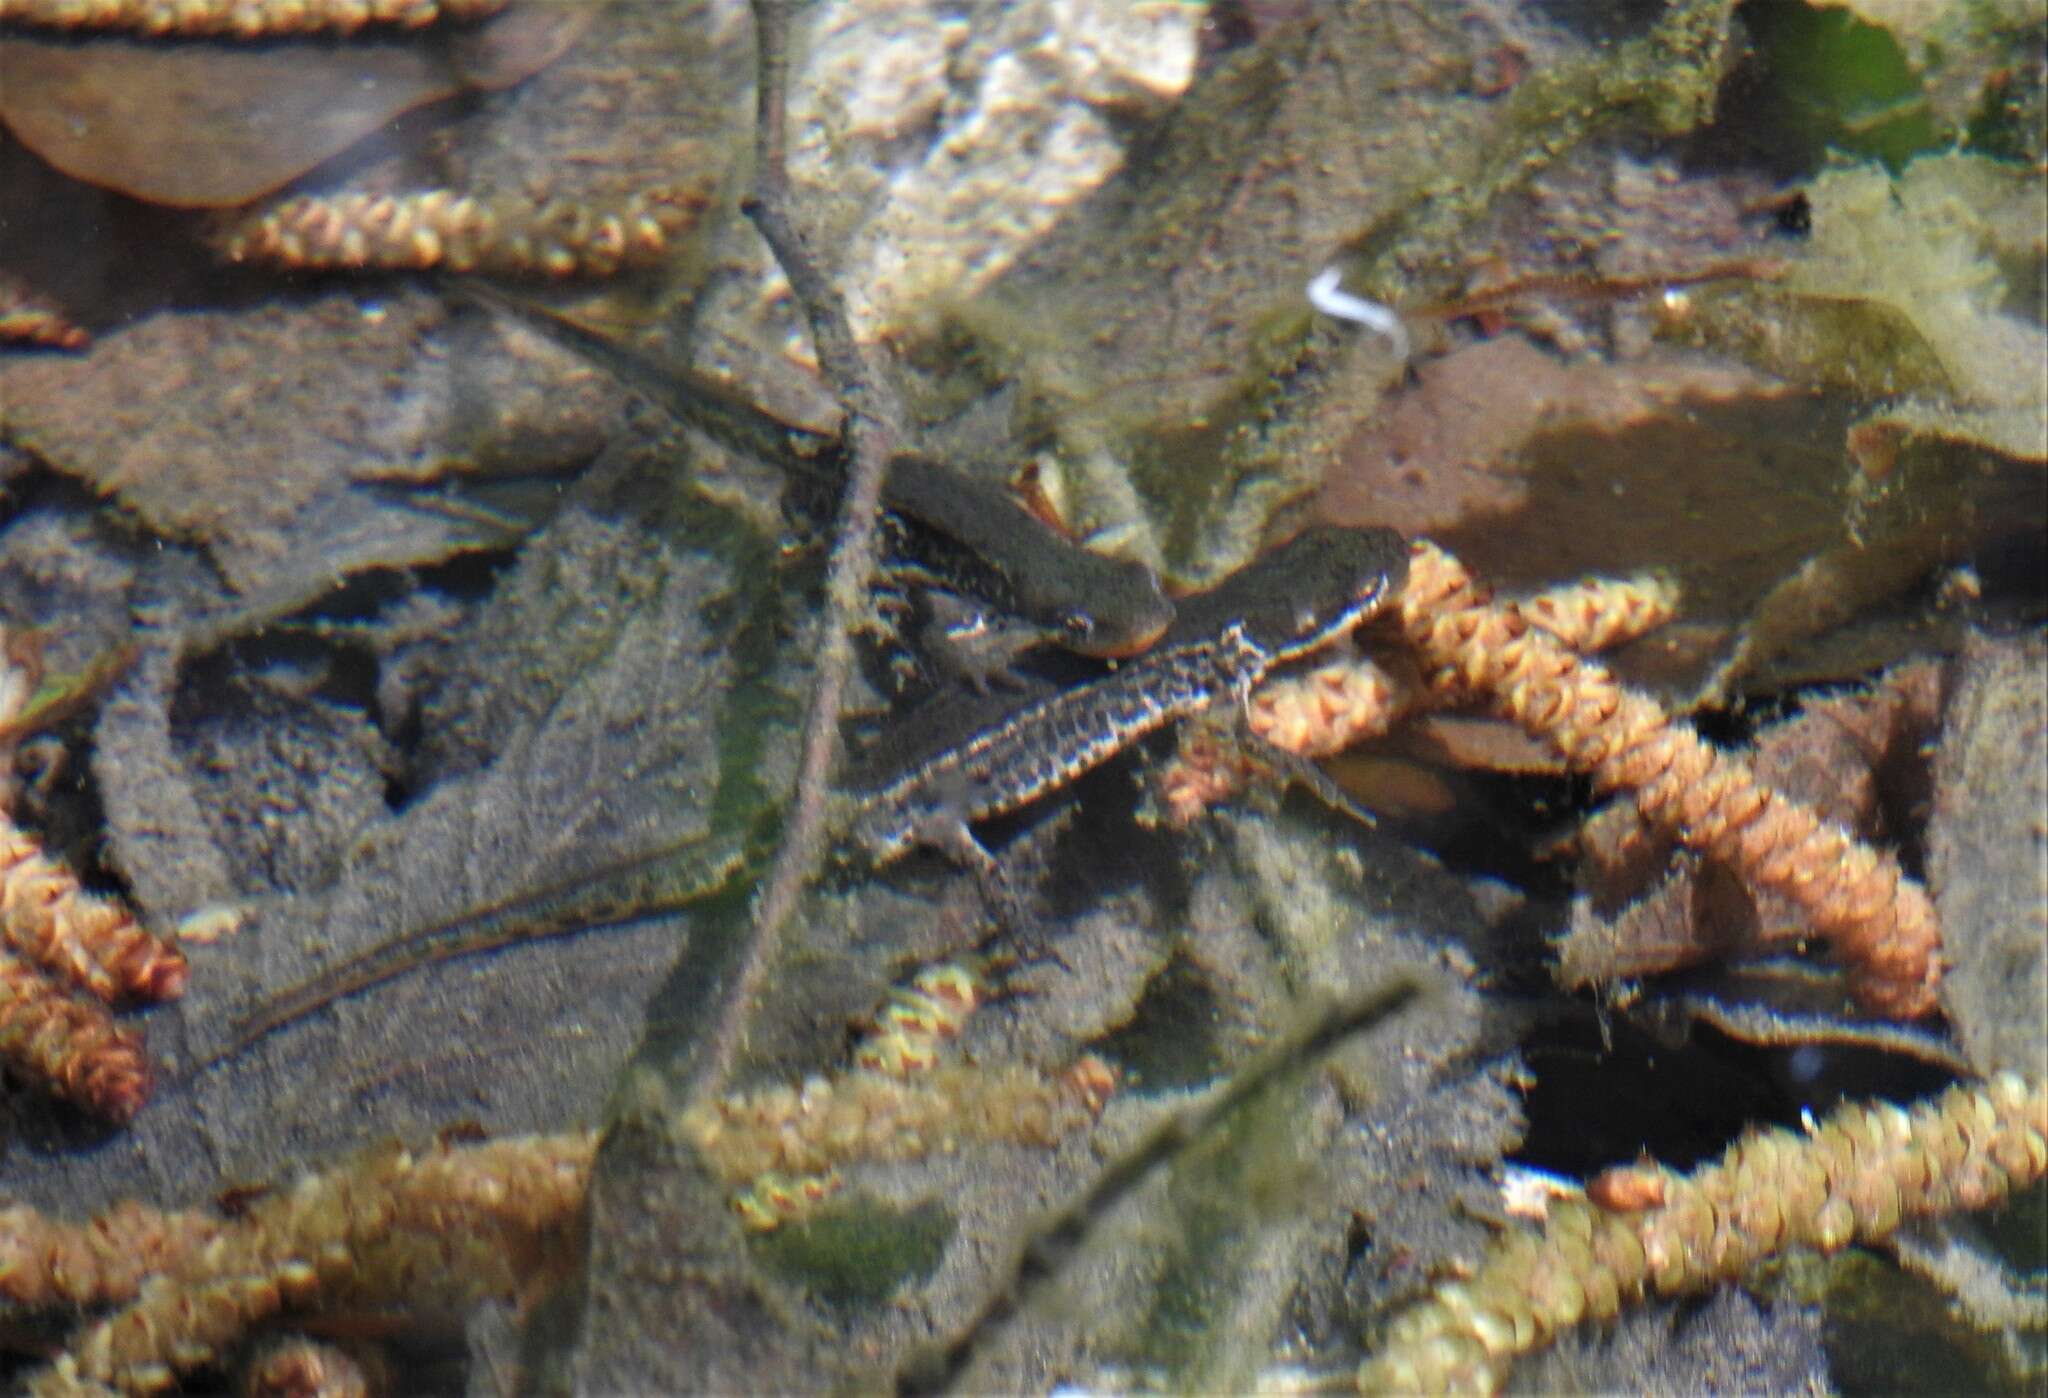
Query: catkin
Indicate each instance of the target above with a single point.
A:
(49, 919)
(443, 1229)
(1596, 614)
(1325, 710)
(241, 19)
(297, 1366)
(1208, 766)
(919, 1019)
(440, 228)
(781, 1144)
(870, 1116)
(1854, 1179)
(47, 1262)
(1340, 703)
(1317, 712)
(1880, 923)
(69, 1045)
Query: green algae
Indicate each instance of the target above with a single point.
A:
(858, 1252)
(1840, 83)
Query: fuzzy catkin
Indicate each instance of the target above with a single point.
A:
(919, 1019)
(445, 1228)
(47, 1262)
(1596, 614)
(69, 1045)
(896, 1103)
(297, 1366)
(241, 19)
(1322, 711)
(1855, 1178)
(48, 918)
(1317, 712)
(442, 228)
(1880, 923)
(871, 1116)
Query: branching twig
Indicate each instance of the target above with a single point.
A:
(872, 432)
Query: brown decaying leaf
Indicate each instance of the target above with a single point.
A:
(165, 417)
(207, 125)
(1450, 457)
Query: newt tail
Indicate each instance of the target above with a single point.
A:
(628, 890)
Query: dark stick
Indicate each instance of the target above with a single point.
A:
(1048, 1248)
(873, 433)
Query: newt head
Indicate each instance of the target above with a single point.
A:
(1087, 602)
(1120, 612)
(1305, 594)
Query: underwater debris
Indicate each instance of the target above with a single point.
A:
(446, 1227)
(193, 124)
(1985, 849)
(298, 1366)
(1052, 1243)
(1027, 129)
(444, 228)
(49, 919)
(1326, 295)
(61, 937)
(26, 319)
(69, 1045)
(46, 1262)
(241, 19)
(800, 1134)
(1321, 711)
(1854, 1178)
(1881, 923)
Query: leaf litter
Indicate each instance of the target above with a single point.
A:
(575, 697)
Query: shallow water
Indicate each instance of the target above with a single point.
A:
(369, 605)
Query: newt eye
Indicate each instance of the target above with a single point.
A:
(1078, 625)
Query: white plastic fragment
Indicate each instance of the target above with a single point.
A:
(1325, 295)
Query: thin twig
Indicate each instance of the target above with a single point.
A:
(872, 432)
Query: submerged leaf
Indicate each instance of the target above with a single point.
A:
(270, 436)
(210, 125)
(1913, 285)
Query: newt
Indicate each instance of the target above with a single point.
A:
(1296, 600)
(941, 528)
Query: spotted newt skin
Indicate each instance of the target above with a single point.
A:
(940, 527)
(1297, 599)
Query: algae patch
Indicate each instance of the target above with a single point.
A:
(859, 1253)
